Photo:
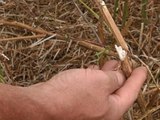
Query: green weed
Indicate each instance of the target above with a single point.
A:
(1, 75)
(115, 8)
(125, 13)
(144, 11)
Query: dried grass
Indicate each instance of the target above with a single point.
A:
(36, 55)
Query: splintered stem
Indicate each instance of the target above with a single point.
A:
(126, 65)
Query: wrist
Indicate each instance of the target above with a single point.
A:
(55, 103)
(48, 104)
(17, 104)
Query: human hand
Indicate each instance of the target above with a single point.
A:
(89, 94)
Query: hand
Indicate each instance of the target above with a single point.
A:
(89, 94)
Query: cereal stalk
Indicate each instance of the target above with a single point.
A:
(126, 65)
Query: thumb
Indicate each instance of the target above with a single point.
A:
(130, 90)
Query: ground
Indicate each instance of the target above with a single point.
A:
(39, 38)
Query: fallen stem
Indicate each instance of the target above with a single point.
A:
(22, 25)
(95, 47)
(149, 112)
(22, 38)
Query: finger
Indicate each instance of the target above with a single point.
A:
(130, 90)
(38, 84)
(115, 80)
(110, 65)
(94, 67)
